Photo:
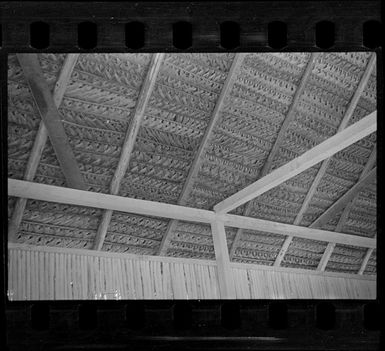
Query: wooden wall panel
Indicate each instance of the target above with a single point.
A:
(38, 274)
(264, 283)
(41, 273)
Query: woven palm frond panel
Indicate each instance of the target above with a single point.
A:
(346, 259)
(53, 224)
(181, 105)
(134, 234)
(318, 114)
(258, 247)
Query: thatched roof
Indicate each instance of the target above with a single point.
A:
(100, 101)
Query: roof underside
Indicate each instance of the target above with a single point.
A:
(96, 110)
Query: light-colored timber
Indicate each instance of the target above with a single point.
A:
(345, 199)
(251, 281)
(365, 261)
(225, 276)
(329, 147)
(132, 132)
(329, 249)
(39, 144)
(51, 193)
(50, 115)
(368, 166)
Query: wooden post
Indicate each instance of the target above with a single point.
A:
(225, 274)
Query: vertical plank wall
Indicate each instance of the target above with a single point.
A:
(40, 273)
(265, 282)
(36, 273)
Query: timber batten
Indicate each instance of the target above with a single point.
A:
(209, 126)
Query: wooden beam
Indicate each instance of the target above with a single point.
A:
(344, 199)
(281, 135)
(225, 273)
(39, 144)
(369, 165)
(365, 261)
(347, 116)
(195, 166)
(326, 256)
(52, 119)
(327, 148)
(44, 192)
(282, 252)
(70, 196)
(249, 223)
(129, 142)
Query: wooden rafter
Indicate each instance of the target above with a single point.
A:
(365, 261)
(369, 165)
(281, 134)
(324, 150)
(128, 146)
(321, 172)
(44, 192)
(344, 199)
(329, 249)
(40, 142)
(195, 166)
(50, 115)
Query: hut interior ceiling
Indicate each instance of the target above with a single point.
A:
(261, 119)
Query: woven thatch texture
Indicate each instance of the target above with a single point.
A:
(342, 173)
(346, 259)
(134, 234)
(304, 253)
(258, 247)
(362, 216)
(318, 115)
(52, 224)
(96, 109)
(194, 240)
(249, 124)
(179, 110)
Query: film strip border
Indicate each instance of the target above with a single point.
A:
(189, 26)
(61, 321)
